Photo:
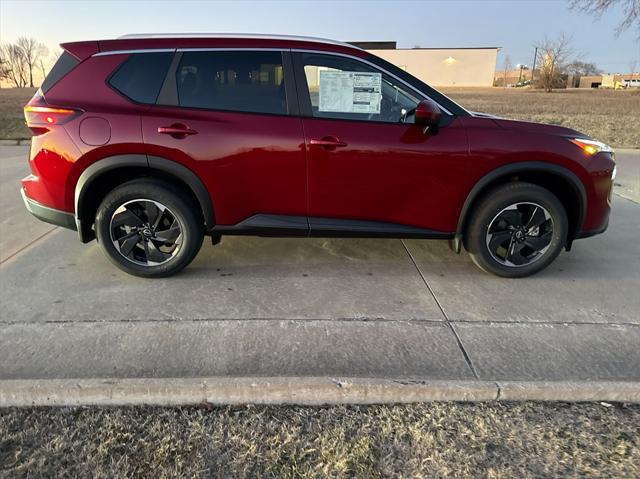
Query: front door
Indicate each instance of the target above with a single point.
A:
(366, 159)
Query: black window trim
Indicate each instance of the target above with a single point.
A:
(171, 95)
(169, 90)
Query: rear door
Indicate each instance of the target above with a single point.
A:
(229, 115)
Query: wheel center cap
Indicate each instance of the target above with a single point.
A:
(519, 235)
(147, 232)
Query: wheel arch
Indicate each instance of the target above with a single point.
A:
(551, 176)
(103, 175)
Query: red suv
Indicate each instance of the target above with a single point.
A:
(148, 143)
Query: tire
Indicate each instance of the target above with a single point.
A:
(498, 245)
(143, 239)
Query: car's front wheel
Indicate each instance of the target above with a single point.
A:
(516, 230)
(146, 228)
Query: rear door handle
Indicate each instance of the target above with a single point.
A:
(177, 130)
(328, 142)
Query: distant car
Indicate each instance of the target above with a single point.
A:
(148, 143)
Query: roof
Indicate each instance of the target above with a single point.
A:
(155, 41)
(252, 36)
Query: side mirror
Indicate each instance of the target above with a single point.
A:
(428, 115)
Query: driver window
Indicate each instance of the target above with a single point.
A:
(347, 89)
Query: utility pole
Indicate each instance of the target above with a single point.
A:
(533, 70)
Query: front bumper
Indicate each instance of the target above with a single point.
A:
(49, 215)
(590, 233)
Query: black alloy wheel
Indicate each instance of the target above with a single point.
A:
(516, 230)
(149, 227)
(145, 232)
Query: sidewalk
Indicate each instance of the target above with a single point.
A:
(319, 320)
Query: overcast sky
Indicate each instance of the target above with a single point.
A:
(511, 24)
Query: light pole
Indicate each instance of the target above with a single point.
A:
(521, 67)
(533, 70)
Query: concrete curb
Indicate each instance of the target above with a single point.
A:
(173, 392)
(570, 391)
(302, 391)
(16, 142)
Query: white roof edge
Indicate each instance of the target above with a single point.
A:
(258, 36)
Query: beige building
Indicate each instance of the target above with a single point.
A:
(630, 80)
(441, 66)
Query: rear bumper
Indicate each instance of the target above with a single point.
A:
(49, 215)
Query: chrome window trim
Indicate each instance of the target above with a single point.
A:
(128, 52)
(231, 49)
(402, 82)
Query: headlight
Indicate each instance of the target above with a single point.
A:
(591, 147)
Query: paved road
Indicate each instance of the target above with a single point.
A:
(318, 307)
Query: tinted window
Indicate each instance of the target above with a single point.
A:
(236, 81)
(141, 76)
(64, 65)
(347, 89)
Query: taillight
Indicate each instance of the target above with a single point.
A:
(39, 115)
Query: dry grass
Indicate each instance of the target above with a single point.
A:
(608, 115)
(611, 116)
(11, 117)
(428, 440)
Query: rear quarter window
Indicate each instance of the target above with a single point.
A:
(141, 75)
(64, 65)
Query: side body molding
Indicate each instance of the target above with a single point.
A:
(141, 161)
(512, 169)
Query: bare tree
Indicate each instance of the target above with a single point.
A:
(33, 51)
(55, 56)
(43, 70)
(506, 67)
(631, 9)
(554, 55)
(15, 64)
(5, 71)
(581, 68)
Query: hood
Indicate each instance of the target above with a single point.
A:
(531, 127)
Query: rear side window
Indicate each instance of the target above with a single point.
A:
(64, 65)
(141, 76)
(235, 81)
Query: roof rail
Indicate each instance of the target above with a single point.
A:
(258, 36)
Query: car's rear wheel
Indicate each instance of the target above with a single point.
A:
(516, 230)
(146, 228)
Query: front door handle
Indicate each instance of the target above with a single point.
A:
(177, 130)
(328, 142)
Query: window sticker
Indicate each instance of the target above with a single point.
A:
(350, 92)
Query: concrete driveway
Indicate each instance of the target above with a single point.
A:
(298, 308)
